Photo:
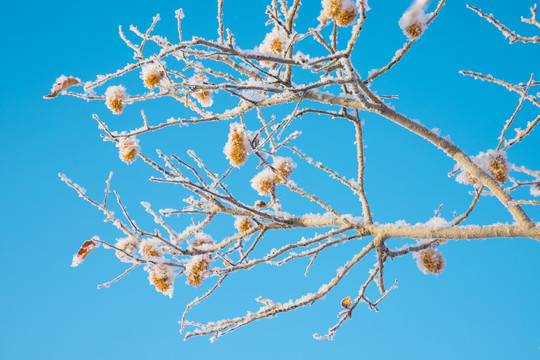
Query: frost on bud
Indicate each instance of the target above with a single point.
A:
(162, 277)
(128, 149)
(275, 42)
(263, 182)
(497, 164)
(243, 224)
(150, 248)
(151, 74)
(115, 97)
(83, 252)
(331, 8)
(201, 242)
(285, 167)
(347, 15)
(203, 97)
(413, 23)
(465, 177)
(535, 188)
(346, 302)
(197, 269)
(343, 12)
(430, 261)
(237, 147)
(128, 247)
(493, 162)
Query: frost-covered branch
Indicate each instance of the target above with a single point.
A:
(262, 93)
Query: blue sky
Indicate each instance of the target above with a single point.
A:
(483, 306)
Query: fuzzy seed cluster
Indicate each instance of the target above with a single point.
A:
(115, 98)
(264, 182)
(162, 277)
(152, 74)
(413, 23)
(243, 224)
(275, 42)
(129, 246)
(128, 149)
(197, 269)
(203, 97)
(493, 162)
(285, 166)
(343, 12)
(237, 147)
(149, 248)
(430, 261)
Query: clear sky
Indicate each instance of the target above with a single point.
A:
(483, 306)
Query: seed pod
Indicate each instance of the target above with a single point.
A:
(346, 302)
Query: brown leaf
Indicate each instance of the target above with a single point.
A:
(61, 84)
(83, 252)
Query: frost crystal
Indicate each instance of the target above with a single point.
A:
(115, 97)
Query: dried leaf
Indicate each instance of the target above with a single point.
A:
(61, 84)
(83, 252)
